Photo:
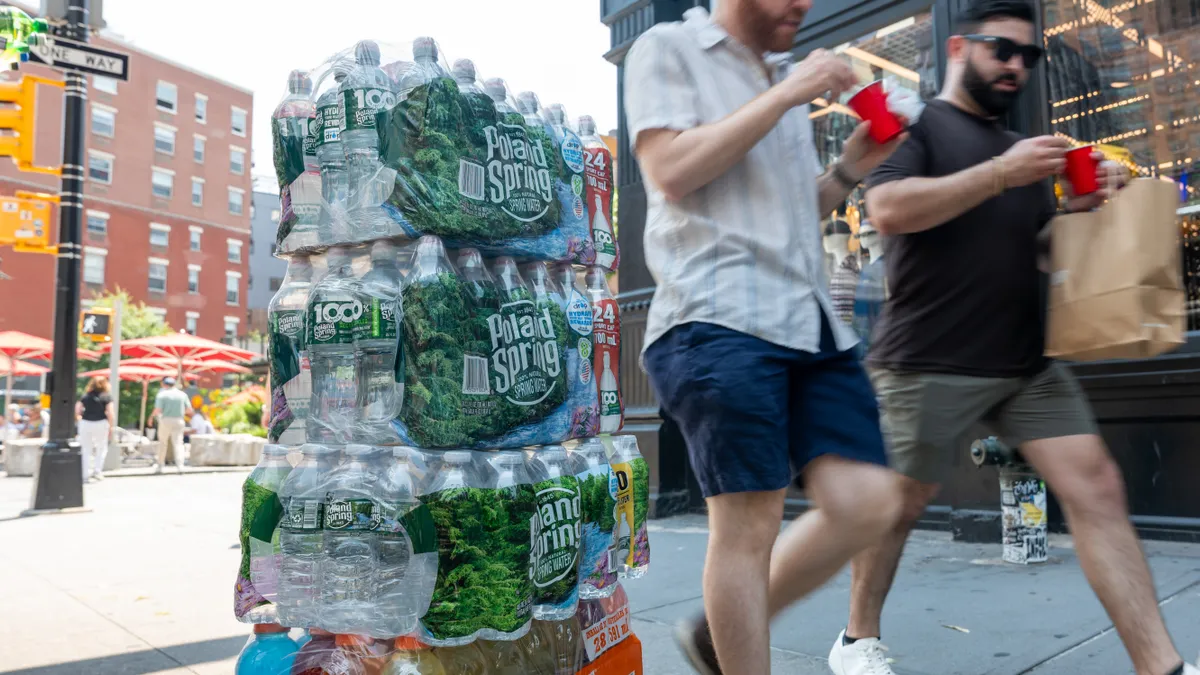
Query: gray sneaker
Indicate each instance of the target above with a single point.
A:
(695, 640)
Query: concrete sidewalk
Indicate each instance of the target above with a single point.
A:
(143, 583)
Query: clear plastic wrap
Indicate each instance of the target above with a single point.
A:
(290, 372)
(631, 488)
(405, 145)
(598, 570)
(557, 534)
(258, 575)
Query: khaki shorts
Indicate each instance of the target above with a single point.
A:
(927, 416)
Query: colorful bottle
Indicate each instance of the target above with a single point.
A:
(269, 651)
(18, 32)
(599, 192)
(413, 658)
(631, 488)
(607, 333)
(262, 511)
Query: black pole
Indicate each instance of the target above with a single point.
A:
(60, 472)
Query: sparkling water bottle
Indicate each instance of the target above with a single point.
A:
(301, 538)
(375, 343)
(407, 547)
(366, 91)
(290, 373)
(351, 517)
(332, 227)
(334, 308)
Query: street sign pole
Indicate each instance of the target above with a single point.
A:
(59, 482)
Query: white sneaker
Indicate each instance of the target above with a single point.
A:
(864, 656)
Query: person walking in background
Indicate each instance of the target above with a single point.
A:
(171, 408)
(961, 337)
(744, 350)
(95, 414)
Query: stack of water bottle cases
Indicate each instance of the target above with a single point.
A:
(442, 494)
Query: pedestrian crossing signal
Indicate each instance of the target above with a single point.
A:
(96, 324)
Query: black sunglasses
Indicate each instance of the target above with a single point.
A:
(1004, 49)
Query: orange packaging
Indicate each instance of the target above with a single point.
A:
(624, 659)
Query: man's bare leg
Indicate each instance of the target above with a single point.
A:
(873, 570)
(1089, 486)
(856, 504)
(743, 528)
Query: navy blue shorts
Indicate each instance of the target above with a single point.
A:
(754, 414)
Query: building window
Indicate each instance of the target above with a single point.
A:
(107, 85)
(160, 235)
(195, 231)
(235, 250)
(193, 318)
(237, 161)
(194, 279)
(197, 191)
(275, 283)
(158, 275)
(198, 149)
(93, 265)
(163, 182)
(166, 97)
(97, 224)
(100, 167)
(231, 327)
(274, 215)
(201, 109)
(237, 201)
(233, 282)
(164, 139)
(237, 123)
(104, 121)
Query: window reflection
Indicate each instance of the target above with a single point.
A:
(1120, 73)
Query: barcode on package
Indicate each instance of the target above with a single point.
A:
(475, 375)
(311, 514)
(470, 180)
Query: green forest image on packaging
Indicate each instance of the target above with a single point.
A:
(557, 540)
(483, 560)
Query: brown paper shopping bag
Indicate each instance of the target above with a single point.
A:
(1116, 283)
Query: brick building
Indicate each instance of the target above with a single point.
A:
(167, 197)
(266, 271)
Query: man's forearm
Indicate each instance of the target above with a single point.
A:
(831, 193)
(920, 203)
(696, 157)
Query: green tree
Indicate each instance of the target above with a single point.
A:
(137, 321)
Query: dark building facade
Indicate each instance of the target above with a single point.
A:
(1117, 74)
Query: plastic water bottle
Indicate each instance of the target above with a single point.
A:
(413, 658)
(564, 640)
(408, 557)
(269, 651)
(448, 492)
(529, 106)
(291, 374)
(365, 91)
(507, 475)
(332, 228)
(334, 308)
(425, 67)
(598, 572)
(557, 536)
(296, 165)
(375, 341)
(351, 516)
(498, 90)
(258, 575)
(465, 660)
(505, 658)
(301, 538)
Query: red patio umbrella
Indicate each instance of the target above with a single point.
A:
(190, 365)
(143, 374)
(180, 346)
(20, 368)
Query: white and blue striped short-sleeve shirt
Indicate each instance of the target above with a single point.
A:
(744, 251)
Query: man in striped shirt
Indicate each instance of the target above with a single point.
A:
(743, 349)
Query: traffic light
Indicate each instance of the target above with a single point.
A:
(25, 222)
(96, 324)
(18, 122)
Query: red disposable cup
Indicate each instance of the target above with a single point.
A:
(1082, 169)
(870, 103)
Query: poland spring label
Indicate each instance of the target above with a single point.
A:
(333, 322)
(362, 104)
(557, 536)
(516, 177)
(526, 363)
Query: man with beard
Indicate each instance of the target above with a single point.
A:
(743, 348)
(960, 339)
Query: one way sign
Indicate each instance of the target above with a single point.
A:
(70, 55)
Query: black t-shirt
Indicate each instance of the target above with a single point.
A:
(93, 406)
(966, 296)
